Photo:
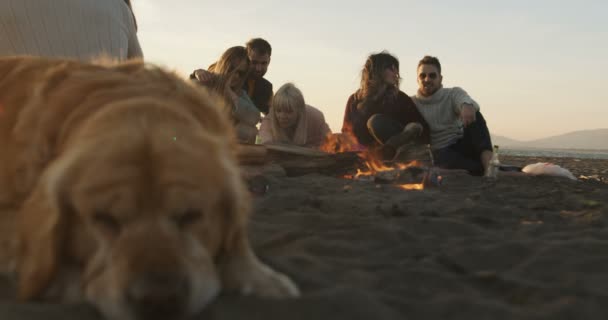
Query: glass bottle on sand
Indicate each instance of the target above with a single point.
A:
(494, 165)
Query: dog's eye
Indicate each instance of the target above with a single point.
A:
(107, 221)
(187, 218)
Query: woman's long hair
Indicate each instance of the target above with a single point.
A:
(373, 88)
(228, 65)
(224, 69)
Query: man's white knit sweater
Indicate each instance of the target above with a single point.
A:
(442, 112)
(79, 29)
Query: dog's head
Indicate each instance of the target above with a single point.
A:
(144, 199)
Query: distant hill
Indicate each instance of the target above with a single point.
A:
(505, 142)
(584, 139)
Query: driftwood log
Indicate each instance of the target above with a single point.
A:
(298, 160)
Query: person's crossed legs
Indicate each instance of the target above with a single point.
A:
(466, 152)
(391, 134)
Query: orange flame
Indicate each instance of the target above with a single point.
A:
(341, 142)
(374, 166)
(411, 186)
(346, 141)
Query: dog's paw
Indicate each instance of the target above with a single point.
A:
(265, 282)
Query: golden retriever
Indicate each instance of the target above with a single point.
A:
(125, 189)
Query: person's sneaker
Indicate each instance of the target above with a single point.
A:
(411, 131)
(385, 152)
(412, 151)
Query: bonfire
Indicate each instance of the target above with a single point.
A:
(407, 175)
(343, 157)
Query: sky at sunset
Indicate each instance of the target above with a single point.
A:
(537, 68)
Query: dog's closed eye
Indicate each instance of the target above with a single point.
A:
(107, 221)
(187, 217)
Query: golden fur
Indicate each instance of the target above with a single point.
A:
(125, 189)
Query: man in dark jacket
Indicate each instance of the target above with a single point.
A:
(258, 88)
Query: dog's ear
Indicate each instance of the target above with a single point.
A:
(41, 229)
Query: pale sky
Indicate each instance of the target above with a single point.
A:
(537, 68)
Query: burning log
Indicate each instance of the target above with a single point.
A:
(408, 176)
(409, 169)
(412, 175)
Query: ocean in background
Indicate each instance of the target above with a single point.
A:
(557, 153)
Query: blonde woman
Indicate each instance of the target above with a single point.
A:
(292, 121)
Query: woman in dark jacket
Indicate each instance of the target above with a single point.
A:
(379, 114)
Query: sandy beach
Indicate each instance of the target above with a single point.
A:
(516, 248)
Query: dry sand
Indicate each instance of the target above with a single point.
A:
(517, 248)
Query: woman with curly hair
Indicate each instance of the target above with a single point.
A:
(381, 115)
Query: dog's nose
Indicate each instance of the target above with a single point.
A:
(158, 296)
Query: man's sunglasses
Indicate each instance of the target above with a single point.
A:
(432, 75)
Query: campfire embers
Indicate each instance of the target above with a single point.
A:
(407, 175)
(413, 175)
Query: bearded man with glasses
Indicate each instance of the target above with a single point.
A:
(459, 135)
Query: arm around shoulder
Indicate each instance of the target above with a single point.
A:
(203, 77)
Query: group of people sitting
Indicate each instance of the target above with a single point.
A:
(238, 76)
(378, 115)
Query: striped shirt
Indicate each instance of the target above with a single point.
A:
(442, 113)
(79, 29)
